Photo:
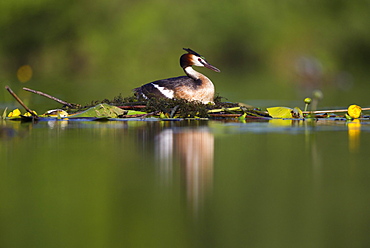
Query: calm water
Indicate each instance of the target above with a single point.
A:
(185, 184)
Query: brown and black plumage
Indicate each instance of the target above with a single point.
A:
(193, 87)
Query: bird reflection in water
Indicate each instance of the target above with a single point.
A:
(194, 149)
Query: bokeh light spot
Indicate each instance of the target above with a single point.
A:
(24, 73)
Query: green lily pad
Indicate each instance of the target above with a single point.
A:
(102, 110)
(134, 112)
(284, 112)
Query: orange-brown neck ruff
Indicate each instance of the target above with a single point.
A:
(186, 60)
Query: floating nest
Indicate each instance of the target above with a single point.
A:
(178, 108)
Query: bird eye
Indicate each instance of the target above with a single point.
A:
(201, 61)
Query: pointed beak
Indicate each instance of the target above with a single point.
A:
(209, 66)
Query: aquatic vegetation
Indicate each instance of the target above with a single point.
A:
(167, 109)
(284, 112)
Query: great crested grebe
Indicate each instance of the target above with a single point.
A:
(193, 87)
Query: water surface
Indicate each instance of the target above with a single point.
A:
(277, 183)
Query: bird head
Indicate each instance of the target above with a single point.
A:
(194, 58)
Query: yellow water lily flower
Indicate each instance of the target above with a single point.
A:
(29, 114)
(354, 111)
(14, 113)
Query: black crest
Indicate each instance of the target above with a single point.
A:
(192, 52)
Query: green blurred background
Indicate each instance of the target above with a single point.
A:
(89, 50)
